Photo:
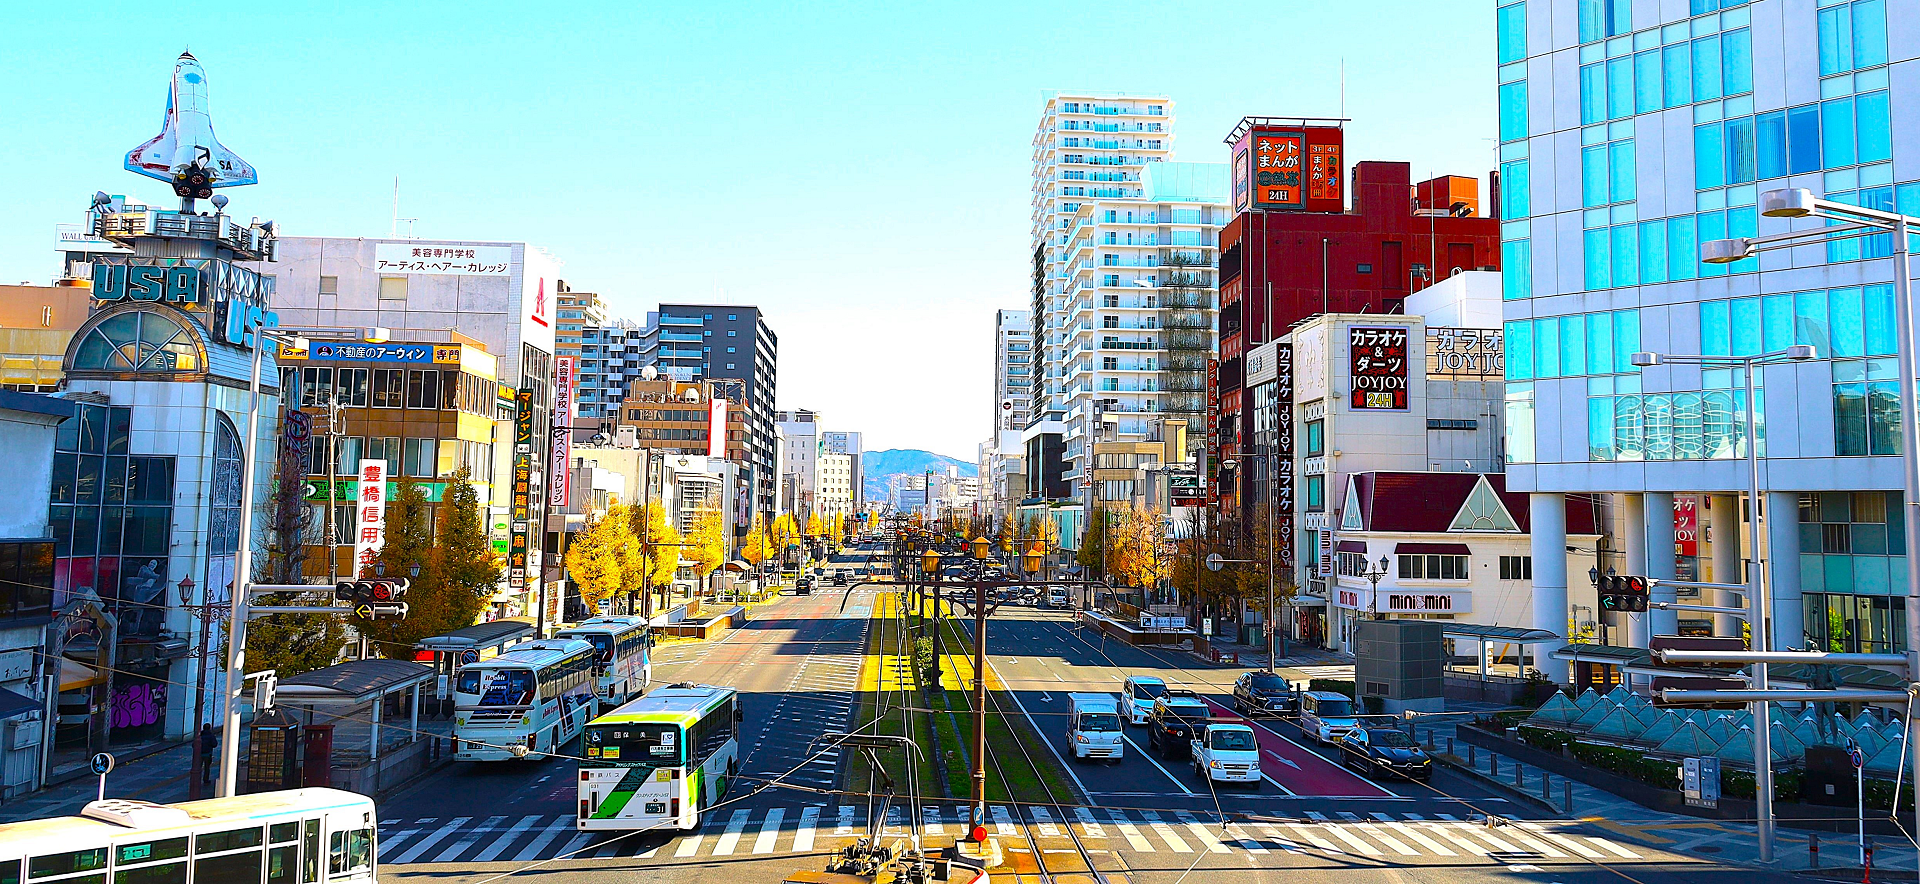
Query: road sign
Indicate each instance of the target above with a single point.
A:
(469, 657)
(102, 763)
(1215, 562)
(1856, 756)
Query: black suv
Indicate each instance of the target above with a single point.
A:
(1263, 693)
(1177, 715)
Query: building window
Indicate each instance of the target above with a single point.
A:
(1513, 111)
(1600, 19)
(423, 388)
(1515, 191)
(1852, 36)
(1516, 269)
(1516, 567)
(1844, 622)
(1351, 564)
(1606, 173)
(393, 288)
(1316, 438)
(1512, 33)
(1316, 487)
(1866, 407)
(1434, 567)
(1109, 321)
(329, 285)
(732, 334)
(138, 341)
(419, 458)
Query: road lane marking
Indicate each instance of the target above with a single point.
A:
(1538, 844)
(769, 831)
(1201, 832)
(1313, 837)
(1165, 832)
(1088, 826)
(1480, 832)
(803, 838)
(1156, 765)
(1044, 820)
(930, 820)
(1277, 838)
(845, 825)
(1410, 832)
(1132, 832)
(1002, 820)
(423, 844)
(1339, 831)
(532, 851)
(1563, 841)
(1245, 839)
(689, 845)
(1609, 845)
(501, 843)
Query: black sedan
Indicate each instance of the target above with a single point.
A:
(1263, 693)
(1384, 751)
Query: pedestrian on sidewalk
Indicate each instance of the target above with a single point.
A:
(209, 740)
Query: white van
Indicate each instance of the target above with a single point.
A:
(1057, 598)
(1327, 716)
(1093, 729)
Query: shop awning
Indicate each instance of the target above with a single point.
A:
(75, 675)
(1431, 549)
(12, 704)
(1358, 546)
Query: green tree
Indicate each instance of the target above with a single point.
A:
(707, 544)
(457, 569)
(290, 644)
(599, 559)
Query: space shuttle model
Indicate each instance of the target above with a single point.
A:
(185, 153)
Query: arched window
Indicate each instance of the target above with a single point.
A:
(223, 525)
(138, 340)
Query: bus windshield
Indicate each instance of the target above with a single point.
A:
(498, 687)
(633, 745)
(602, 644)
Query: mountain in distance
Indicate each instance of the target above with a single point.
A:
(879, 466)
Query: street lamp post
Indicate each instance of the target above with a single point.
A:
(243, 554)
(1759, 613)
(1373, 575)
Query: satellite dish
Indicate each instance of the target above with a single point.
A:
(692, 394)
(101, 200)
(649, 373)
(220, 201)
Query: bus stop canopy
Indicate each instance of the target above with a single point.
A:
(1516, 635)
(353, 682)
(480, 635)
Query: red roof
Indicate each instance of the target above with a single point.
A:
(1407, 502)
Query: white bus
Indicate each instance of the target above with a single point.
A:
(624, 645)
(658, 761)
(525, 702)
(299, 836)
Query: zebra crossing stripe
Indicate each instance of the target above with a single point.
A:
(689, 845)
(423, 844)
(1410, 832)
(1378, 835)
(1273, 832)
(553, 830)
(512, 834)
(1537, 844)
(1341, 832)
(466, 840)
(803, 837)
(1002, 820)
(1481, 833)
(1202, 834)
(1044, 820)
(1312, 835)
(845, 825)
(1609, 845)
(1563, 841)
(930, 821)
(1165, 832)
(1131, 831)
(1088, 826)
(769, 831)
(1245, 840)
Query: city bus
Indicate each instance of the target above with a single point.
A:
(525, 702)
(659, 761)
(299, 836)
(625, 666)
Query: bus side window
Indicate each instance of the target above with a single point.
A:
(351, 850)
(310, 852)
(10, 872)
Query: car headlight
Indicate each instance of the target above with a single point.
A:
(1214, 764)
(1082, 738)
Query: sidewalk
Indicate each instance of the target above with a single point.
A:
(159, 776)
(1719, 840)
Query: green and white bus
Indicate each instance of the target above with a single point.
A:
(658, 761)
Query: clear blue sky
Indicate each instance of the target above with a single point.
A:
(857, 170)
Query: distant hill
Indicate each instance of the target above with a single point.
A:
(881, 465)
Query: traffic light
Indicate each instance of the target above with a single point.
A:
(374, 599)
(1619, 593)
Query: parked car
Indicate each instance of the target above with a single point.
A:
(1138, 693)
(803, 585)
(1093, 728)
(1226, 753)
(839, 578)
(1176, 718)
(1263, 693)
(1384, 750)
(1327, 716)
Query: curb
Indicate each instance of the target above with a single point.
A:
(1504, 788)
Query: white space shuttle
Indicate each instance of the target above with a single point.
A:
(185, 153)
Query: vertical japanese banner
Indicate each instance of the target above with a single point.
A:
(717, 428)
(1213, 432)
(1282, 502)
(369, 515)
(522, 491)
(560, 441)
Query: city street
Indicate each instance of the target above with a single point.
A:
(797, 664)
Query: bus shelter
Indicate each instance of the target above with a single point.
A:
(449, 651)
(345, 707)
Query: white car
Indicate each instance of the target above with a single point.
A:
(1138, 693)
(1227, 753)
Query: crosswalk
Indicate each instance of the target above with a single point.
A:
(1392, 838)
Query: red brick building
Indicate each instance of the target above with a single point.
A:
(1394, 240)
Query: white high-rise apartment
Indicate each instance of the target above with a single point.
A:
(1012, 369)
(1089, 146)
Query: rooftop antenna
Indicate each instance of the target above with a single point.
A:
(1343, 86)
(396, 212)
